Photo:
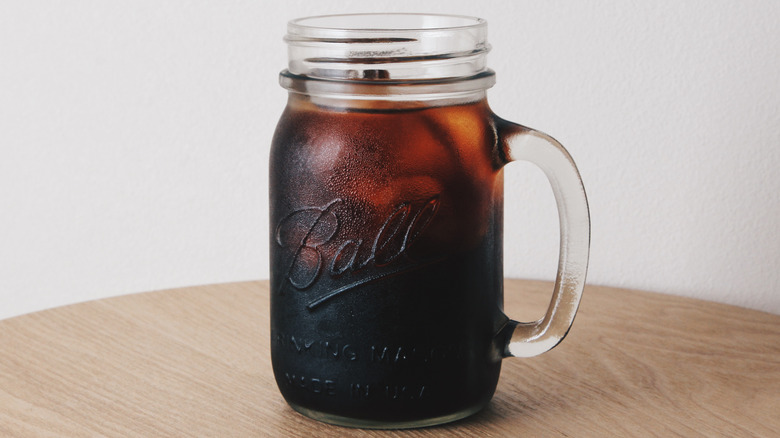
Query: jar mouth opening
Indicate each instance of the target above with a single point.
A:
(382, 22)
(384, 47)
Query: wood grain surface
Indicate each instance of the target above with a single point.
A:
(196, 362)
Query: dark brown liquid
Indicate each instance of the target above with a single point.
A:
(386, 260)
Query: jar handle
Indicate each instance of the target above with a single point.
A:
(521, 143)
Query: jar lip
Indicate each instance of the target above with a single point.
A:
(417, 89)
(337, 23)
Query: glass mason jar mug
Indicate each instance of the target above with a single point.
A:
(386, 202)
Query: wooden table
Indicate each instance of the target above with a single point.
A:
(195, 362)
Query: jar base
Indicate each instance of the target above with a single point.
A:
(382, 424)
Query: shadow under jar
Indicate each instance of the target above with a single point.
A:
(387, 219)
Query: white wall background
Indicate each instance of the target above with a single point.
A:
(134, 139)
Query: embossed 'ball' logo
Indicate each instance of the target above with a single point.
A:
(311, 236)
